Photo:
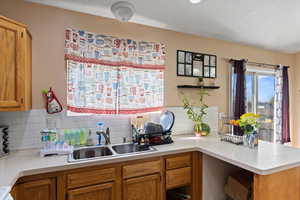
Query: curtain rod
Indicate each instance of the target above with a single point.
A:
(254, 63)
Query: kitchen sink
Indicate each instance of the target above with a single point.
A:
(98, 152)
(130, 148)
(86, 153)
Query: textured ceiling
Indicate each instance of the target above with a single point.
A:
(269, 24)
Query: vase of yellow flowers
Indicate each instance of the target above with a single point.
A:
(249, 124)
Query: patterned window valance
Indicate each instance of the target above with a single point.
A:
(108, 75)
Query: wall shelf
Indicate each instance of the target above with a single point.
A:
(198, 86)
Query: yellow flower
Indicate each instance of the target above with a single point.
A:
(257, 116)
(249, 115)
(234, 122)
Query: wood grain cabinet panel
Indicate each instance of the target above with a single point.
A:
(281, 185)
(90, 177)
(142, 188)
(146, 179)
(104, 191)
(140, 169)
(183, 160)
(37, 190)
(178, 177)
(15, 66)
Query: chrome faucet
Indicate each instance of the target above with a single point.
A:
(106, 135)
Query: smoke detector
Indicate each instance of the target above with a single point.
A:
(122, 10)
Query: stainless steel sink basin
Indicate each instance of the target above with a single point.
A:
(130, 148)
(86, 153)
(98, 152)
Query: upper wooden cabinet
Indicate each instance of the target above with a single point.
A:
(15, 66)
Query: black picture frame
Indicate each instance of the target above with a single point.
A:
(186, 61)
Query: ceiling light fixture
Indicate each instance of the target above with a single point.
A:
(195, 1)
(123, 11)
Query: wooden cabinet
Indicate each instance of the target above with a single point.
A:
(15, 66)
(142, 188)
(178, 177)
(79, 179)
(145, 179)
(44, 189)
(141, 168)
(281, 185)
(104, 191)
(184, 173)
(142, 180)
(183, 160)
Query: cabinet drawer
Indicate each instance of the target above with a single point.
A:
(178, 177)
(183, 160)
(141, 169)
(105, 191)
(85, 178)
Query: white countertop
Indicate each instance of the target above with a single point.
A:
(266, 159)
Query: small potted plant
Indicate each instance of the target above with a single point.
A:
(196, 115)
(200, 80)
(249, 124)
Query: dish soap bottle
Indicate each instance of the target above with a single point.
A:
(100, 131)
(89, 141)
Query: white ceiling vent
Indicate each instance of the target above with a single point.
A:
(122, 10)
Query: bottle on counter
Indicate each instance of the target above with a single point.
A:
(90, 141)
(100, 131)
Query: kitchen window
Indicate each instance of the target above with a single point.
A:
(260, 97)
(108, 75)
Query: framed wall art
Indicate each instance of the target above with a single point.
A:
(192, 64)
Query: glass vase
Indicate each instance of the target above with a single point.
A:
(251, 140)
(201, 129)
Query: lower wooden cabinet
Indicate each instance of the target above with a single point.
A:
(178, 177)
(146, 179)
(44, 189)
(104, 191)
(142, 188)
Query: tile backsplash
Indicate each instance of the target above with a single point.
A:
(25, 127)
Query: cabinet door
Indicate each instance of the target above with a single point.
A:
(38, 190)
(12, 63)
(178, 177)
(142, 188)
(96, 192)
